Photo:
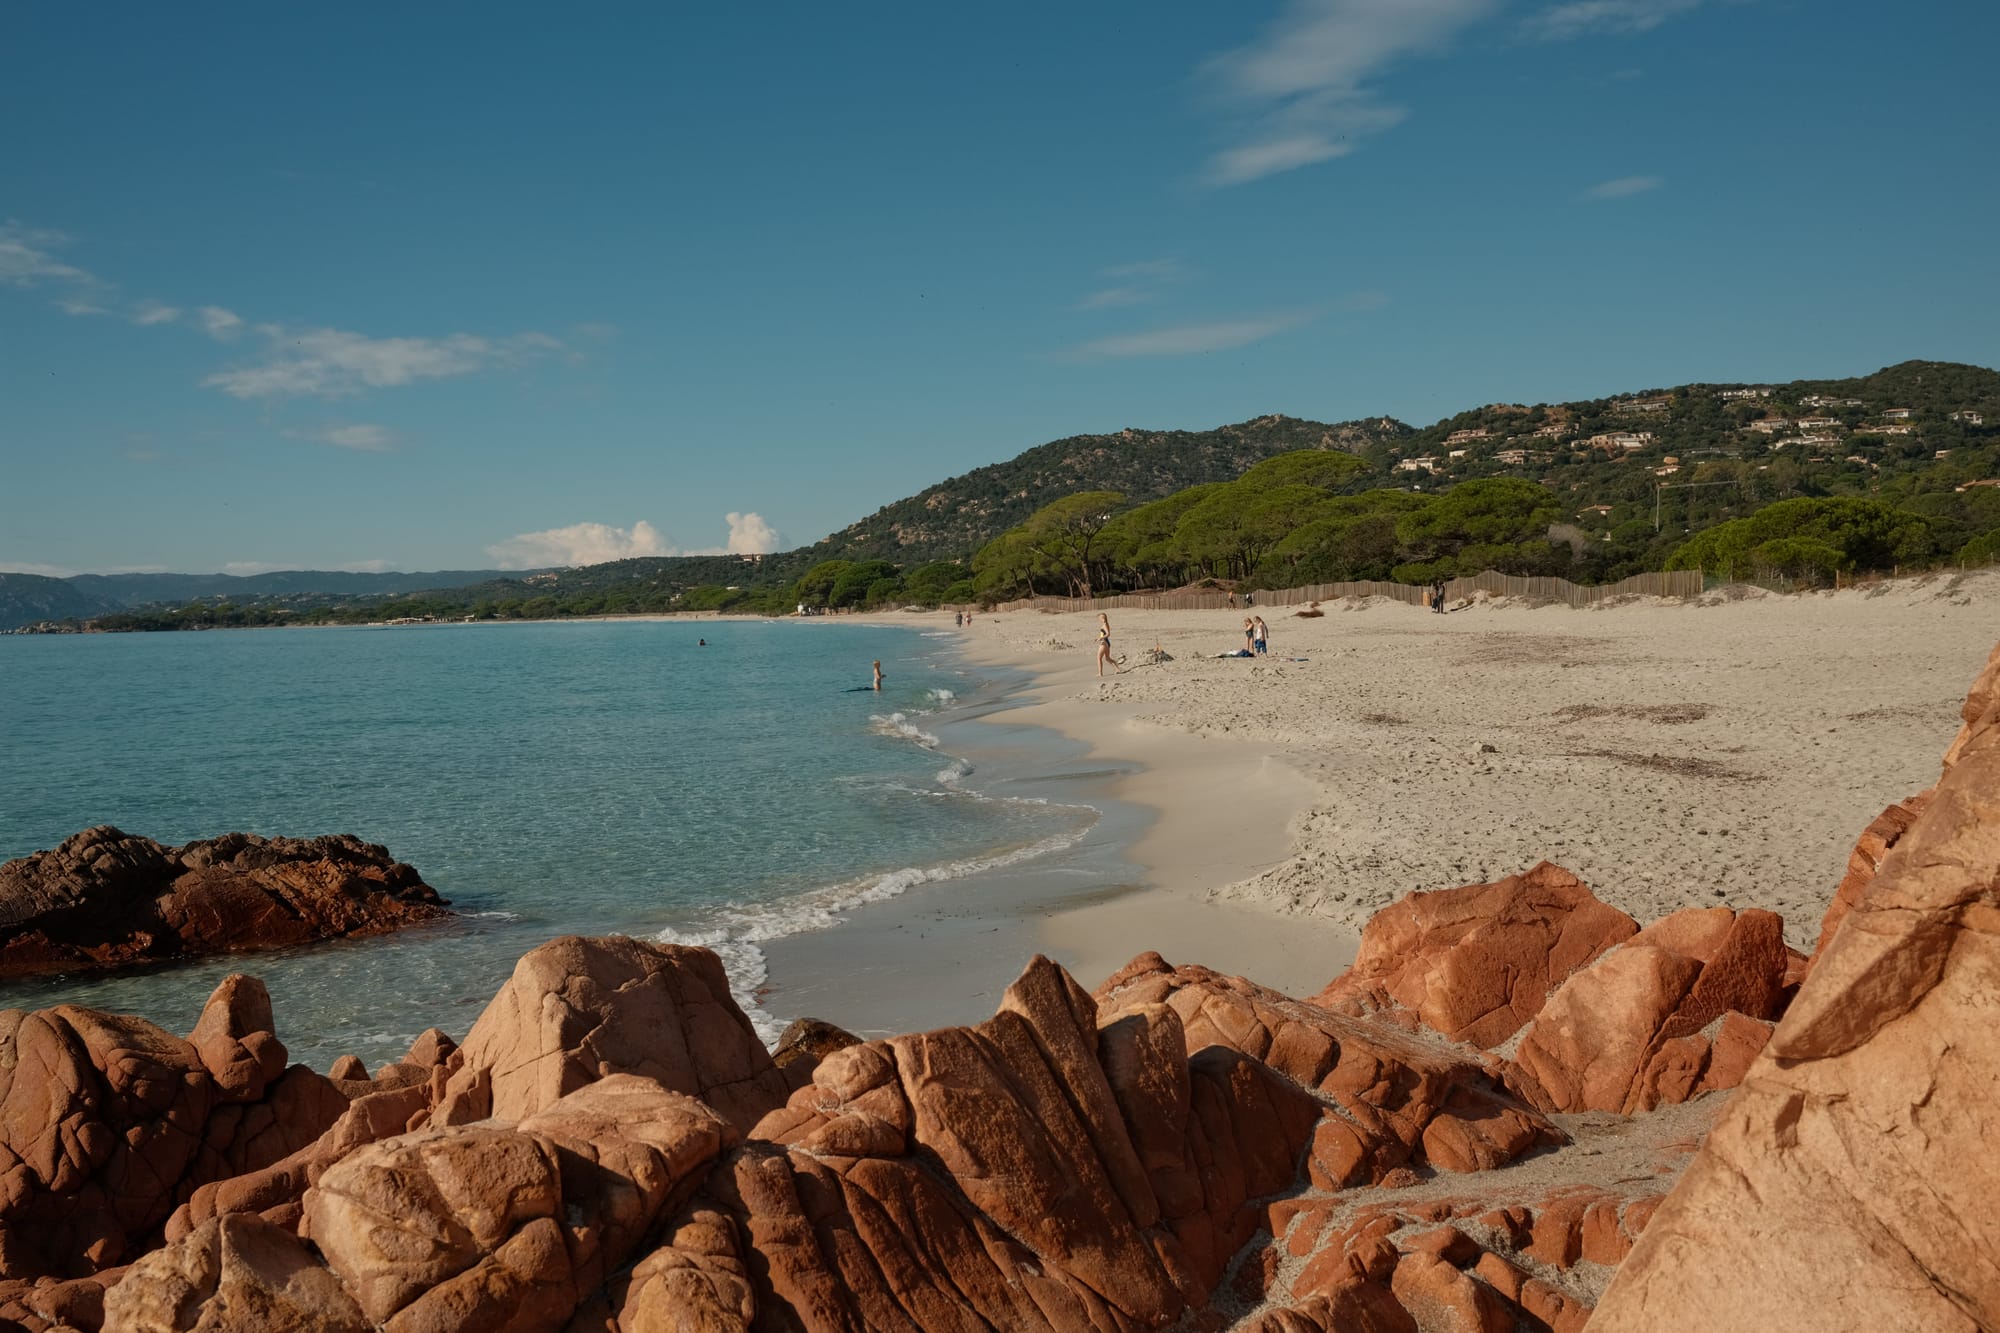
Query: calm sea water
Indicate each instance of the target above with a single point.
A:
(547, 778)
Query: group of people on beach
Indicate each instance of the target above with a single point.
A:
(1256, 643)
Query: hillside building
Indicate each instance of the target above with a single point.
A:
(1645, 404)
(1770, 425)
(1971, 419)
(1899, 414)
(1463, 436)
(1746, 393)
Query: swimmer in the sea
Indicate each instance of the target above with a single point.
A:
(878, 675)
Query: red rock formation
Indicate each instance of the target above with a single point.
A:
(1402, 1096)
(1874, 845)
(1476, 963)
(1857, 1158)
(1633, 1029)
(578, 1009)
(107, 1123)
(107, 899)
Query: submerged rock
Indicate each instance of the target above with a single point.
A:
(109, 899)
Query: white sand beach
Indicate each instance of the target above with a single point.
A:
(1671, 754)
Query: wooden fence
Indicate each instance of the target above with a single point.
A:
(1671, 583)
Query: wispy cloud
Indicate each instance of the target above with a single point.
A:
(27, 258)
(359, 436)
(1111, 298)
(1624, 187)
(595, 543)
(219, 324)
(1188, 339)
(1580, 18)
(153, 312)
(1138, 283)
(333, 363)
(1301, 90)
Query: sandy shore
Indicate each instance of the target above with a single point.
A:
(1670, 754)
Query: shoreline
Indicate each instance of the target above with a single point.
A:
(1180, 817)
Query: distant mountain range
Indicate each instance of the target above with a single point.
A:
(27, 598)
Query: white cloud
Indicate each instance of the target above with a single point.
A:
(1579, 18)
(1301, 86)
(76, 305)
(27, 257)
(749, 534)
(366, 438)
(1188, 339)
(595, 543)
(579, 544)
(1624, 187)
(219, 324)
(153, 312)
(333, 363)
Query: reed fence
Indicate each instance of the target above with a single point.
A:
(1670, 583)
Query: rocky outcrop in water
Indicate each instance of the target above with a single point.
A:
(108, 899)
(1473, 1129)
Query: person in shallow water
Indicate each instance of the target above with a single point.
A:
(878, 676)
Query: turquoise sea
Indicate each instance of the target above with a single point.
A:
(594, 777)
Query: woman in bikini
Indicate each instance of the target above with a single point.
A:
(1104, 645)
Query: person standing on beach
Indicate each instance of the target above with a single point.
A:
(1104, 646)
(1249, 636)
(1262, 635)
(878, 675)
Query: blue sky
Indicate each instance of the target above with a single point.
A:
(452, 286)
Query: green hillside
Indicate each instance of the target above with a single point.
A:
(956, 517)
(26, 598)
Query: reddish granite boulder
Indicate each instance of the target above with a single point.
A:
(1633, 1030)
(108, 1122)
(1870, 850)
(1476, 963)
(1402, 1096)
(578, 1009)
(477, 1227)
(234, 1272)
(1855, 1163)
(108, 899)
